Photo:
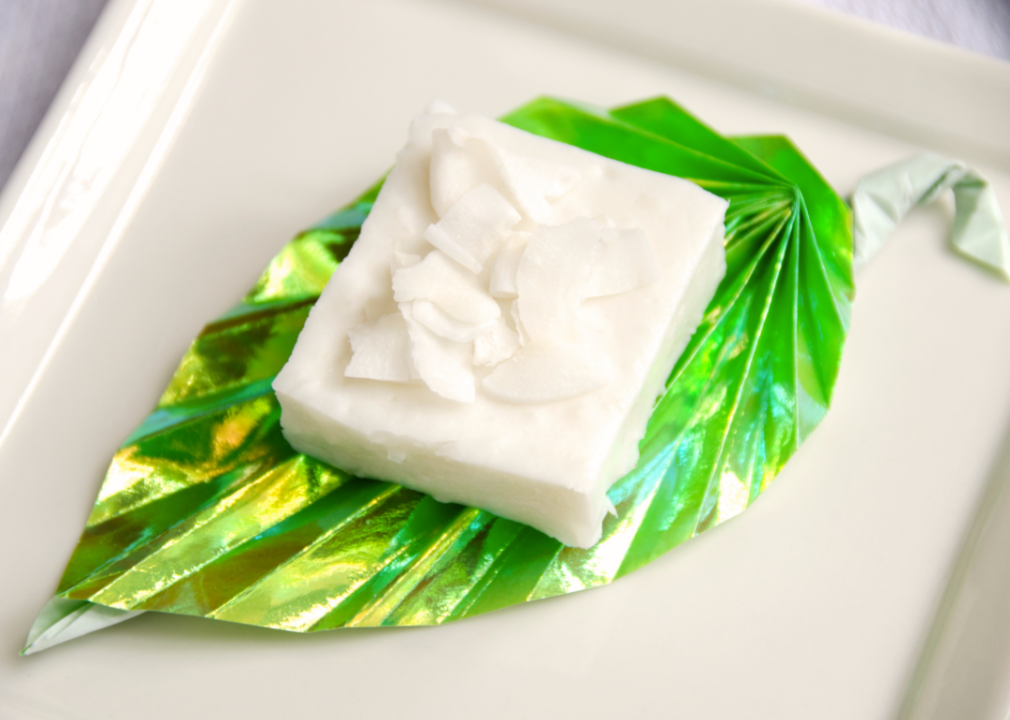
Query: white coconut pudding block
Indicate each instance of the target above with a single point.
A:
(504, 323)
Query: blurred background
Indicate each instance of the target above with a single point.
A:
(39, 40)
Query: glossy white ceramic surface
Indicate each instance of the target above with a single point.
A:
(80, 182)
(815, 603)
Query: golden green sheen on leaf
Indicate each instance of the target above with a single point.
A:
(206, 510)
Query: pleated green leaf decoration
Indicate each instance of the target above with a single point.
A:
(206, 510)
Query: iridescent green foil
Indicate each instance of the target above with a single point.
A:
(206, 510)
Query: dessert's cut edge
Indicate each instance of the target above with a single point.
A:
(682, 327)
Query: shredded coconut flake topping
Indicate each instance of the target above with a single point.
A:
(493, 250)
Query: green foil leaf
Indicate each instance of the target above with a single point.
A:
(206, 510)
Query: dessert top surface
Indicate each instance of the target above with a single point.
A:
(564, 441)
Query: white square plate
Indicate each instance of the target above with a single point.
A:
(194, 138)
